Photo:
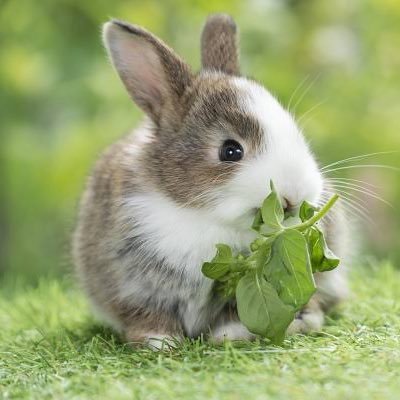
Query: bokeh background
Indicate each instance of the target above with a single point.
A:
(61, 103)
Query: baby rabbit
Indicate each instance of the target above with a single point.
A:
(191, 176)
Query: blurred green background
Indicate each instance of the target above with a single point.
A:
(61, 103)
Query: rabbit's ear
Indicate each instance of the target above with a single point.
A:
(153, 74)
(219, 47)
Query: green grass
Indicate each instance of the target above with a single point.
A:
(50, 347)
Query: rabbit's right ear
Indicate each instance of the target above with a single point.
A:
(219, 44)
(153, 74)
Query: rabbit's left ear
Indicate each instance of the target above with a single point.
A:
(154, 76)
(219, 47)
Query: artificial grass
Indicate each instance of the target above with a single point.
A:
(51, 347)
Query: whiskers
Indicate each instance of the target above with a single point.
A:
(306, 84)
(353, 205)
(354, 193)
(305, 91)
(328, 168)
(302, 120)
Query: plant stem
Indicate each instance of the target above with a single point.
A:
(316, 217)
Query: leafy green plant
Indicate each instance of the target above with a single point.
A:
(274, 279)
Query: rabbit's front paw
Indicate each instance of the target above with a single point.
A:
(309, 319)
(232, 330)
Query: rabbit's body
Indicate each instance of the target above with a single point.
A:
(138, 252)
(161, 198)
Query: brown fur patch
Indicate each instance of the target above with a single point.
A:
(138, 324)
(184, 163)
(219, 49)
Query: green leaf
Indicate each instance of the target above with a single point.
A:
(224, 254)
(260, 309)
(215, 270)
(322, 258)
(272, 211)
(274, 278)
(221, 264)
(226, 270)
(255, 244)
(226, 286)
(289, 269)
(307, 210)
(258, 221)
(261, 253)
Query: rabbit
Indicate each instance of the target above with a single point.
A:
(192, 175)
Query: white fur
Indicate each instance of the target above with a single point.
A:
(184, 237)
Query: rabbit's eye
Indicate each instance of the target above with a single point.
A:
(231, 150)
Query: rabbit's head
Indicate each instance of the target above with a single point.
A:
(217, 138)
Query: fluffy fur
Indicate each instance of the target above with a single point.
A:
(159, 199)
